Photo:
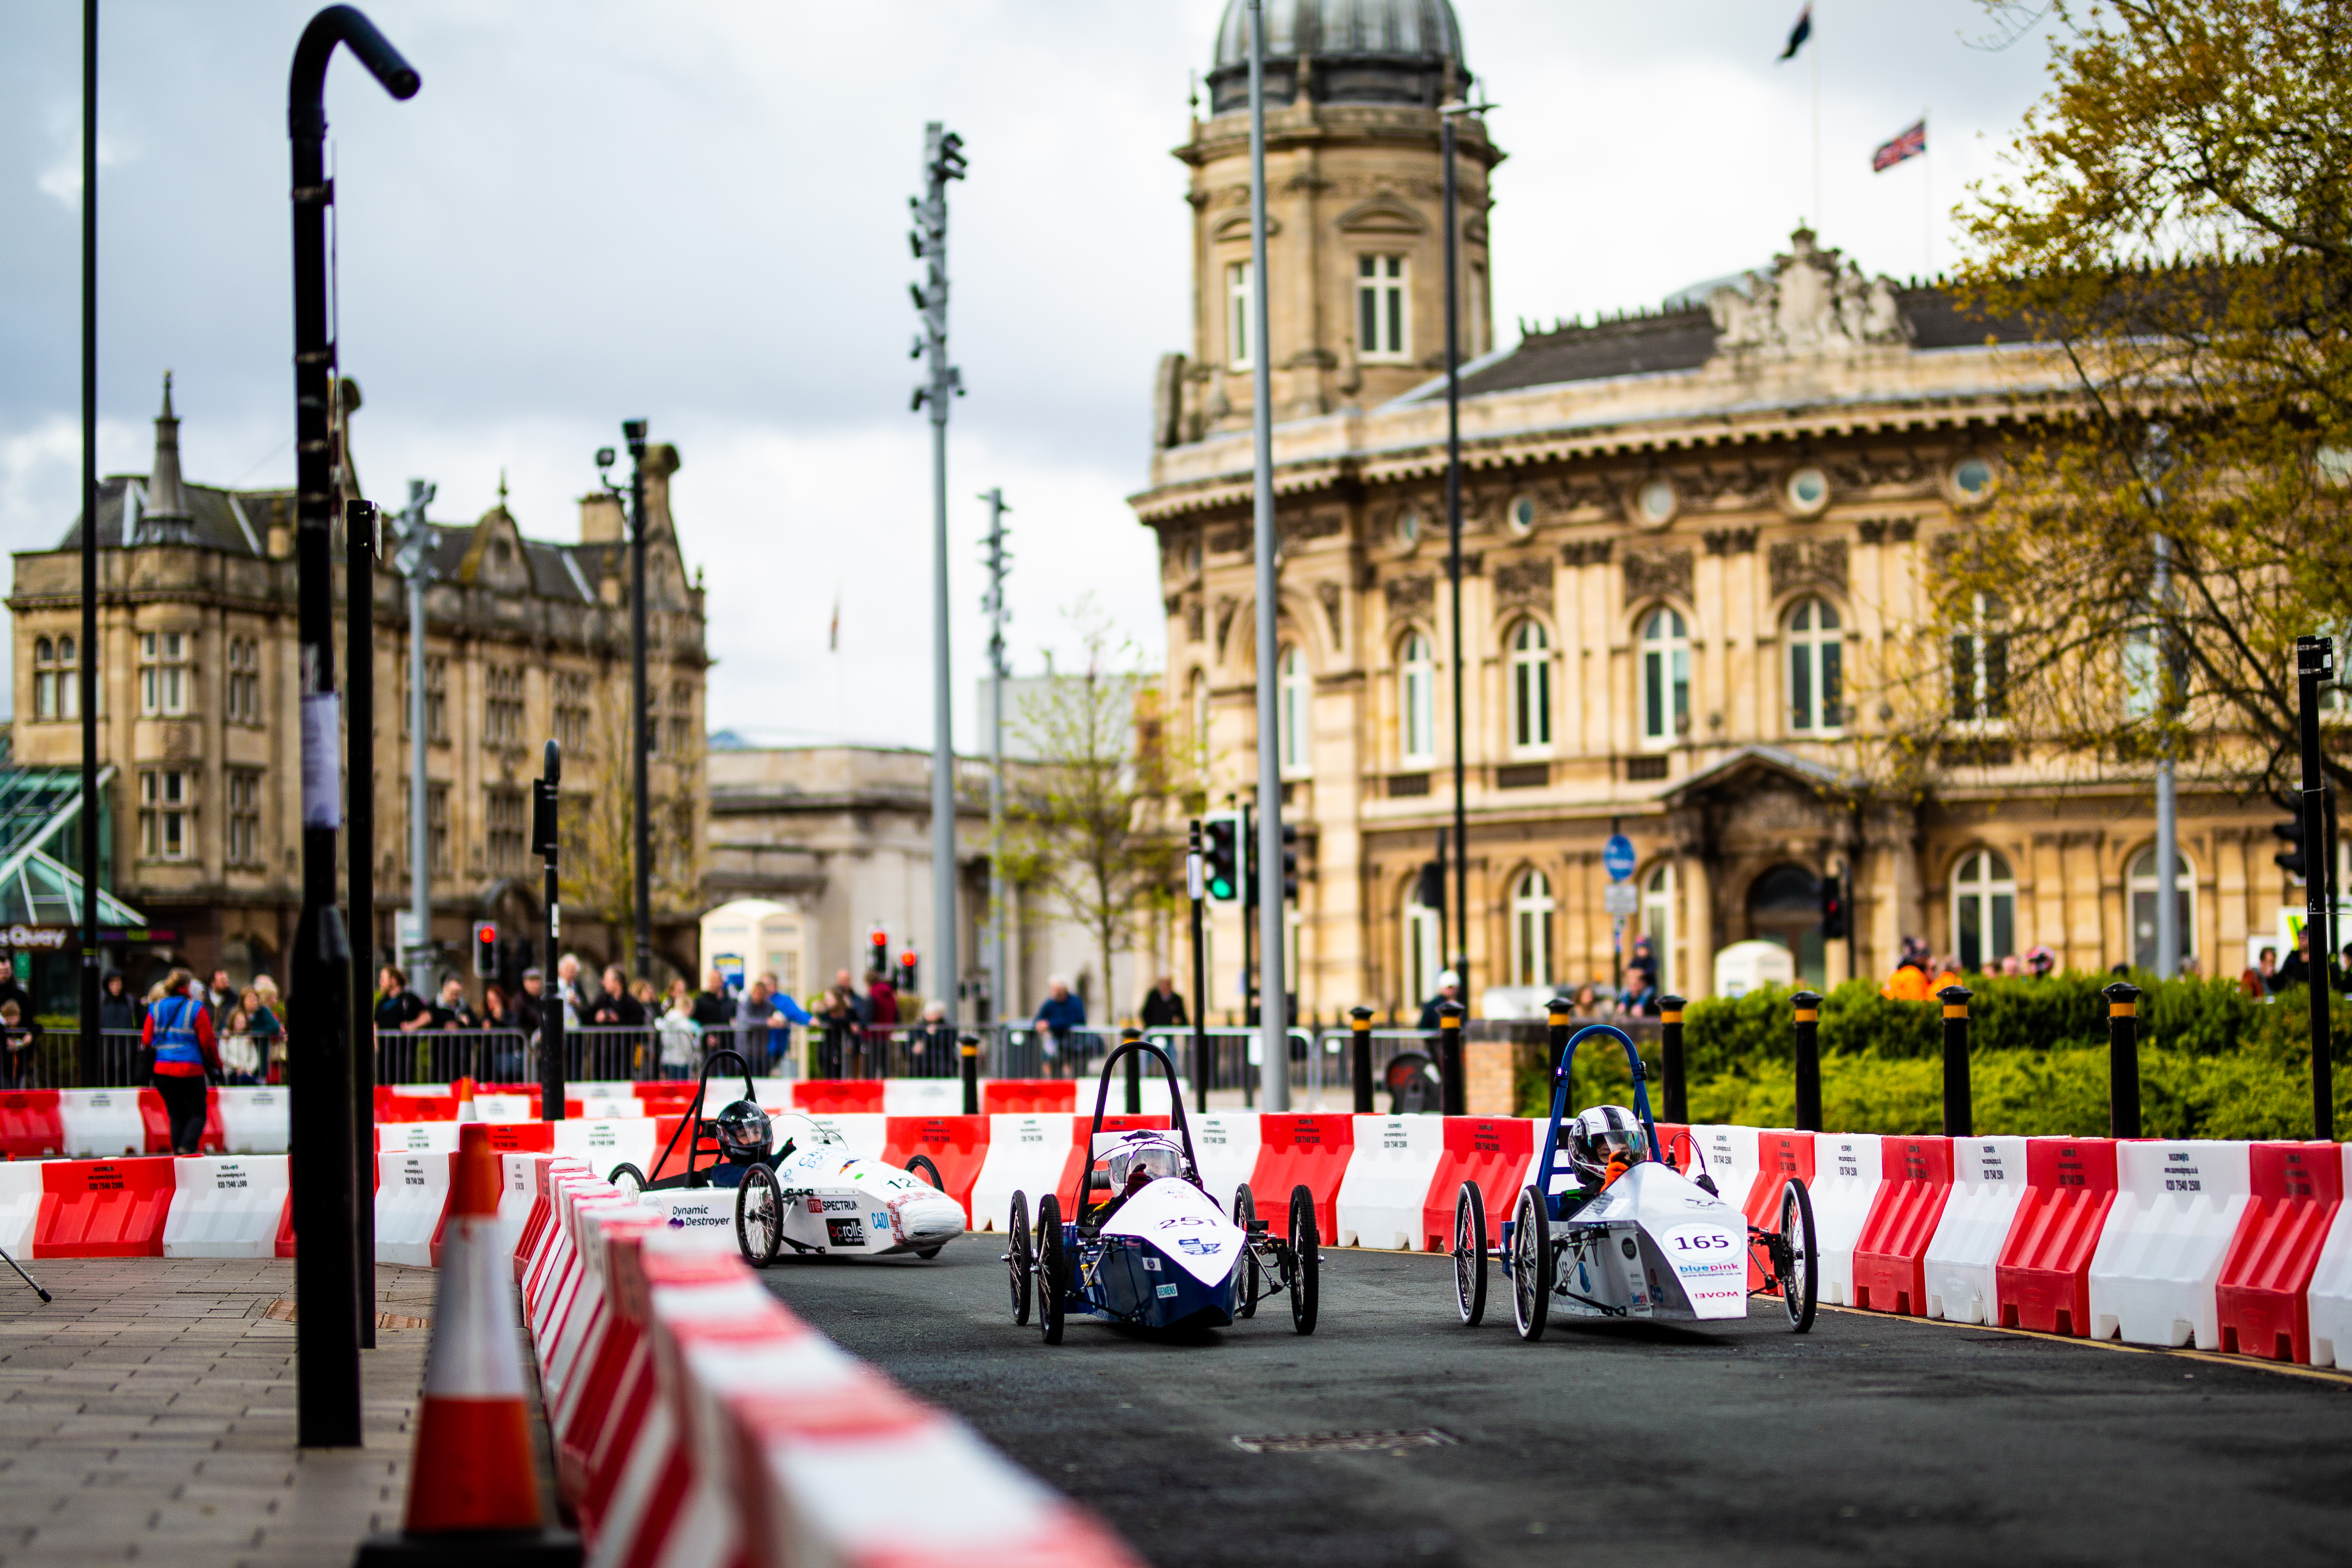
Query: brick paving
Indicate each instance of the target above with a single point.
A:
(147, 1415)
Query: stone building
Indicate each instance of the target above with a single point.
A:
(525, 640)
(1694, 547)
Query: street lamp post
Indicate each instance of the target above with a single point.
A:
(1274, 1065)
(641, 783)
(415, 561)
(943, 160)
(87, 676)
(998, 614)
(324, 1176)
(358, 855)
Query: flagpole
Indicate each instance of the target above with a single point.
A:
(1820, 226)
(1926, 195)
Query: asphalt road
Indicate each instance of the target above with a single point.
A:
(1871, 1439)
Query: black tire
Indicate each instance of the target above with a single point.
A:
(1470, 1254)
(920, 1165)
(1246, 1287)
(1801, 1286)
(759, 1216)
(628, 1178)
(1306, 1260)
(1053, 1268)
(1020, 1261)
(1531, 1265)
(928, 1253)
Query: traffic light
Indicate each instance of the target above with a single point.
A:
(1289, 863)
(907, 970)
(1431, 893)
(1221, 857)
(1833, 906)
(951, 162)
(486, 950)
(878, 959)
(2292, 858)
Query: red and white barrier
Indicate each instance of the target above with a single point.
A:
(863, 1132)
(412, 1196)
(2297, 1189)
(1987, 1185)
(1312, 1151)
(2177, 1207)
(1727, 1156)
(101, 1123)
(1890, 1255)
(1781, 1156)
(103, 1208)
(2043, 1278)
(1026, 1152)
(957, 1146)
(838, 1096)
(1225, 1147)
(30, 1127)
(1845, 1185)
(1385, 1189)
(226, 1207)
(922, 1097)
(1492, 1150)
(2328, 1299)
(418, 1136)
(20, 1205)
(253, 1121)
(604, 1144)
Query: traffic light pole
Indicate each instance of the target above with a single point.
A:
(1194, 886)
(547, 839)
(997, 615)
(2314, 663)
(1274, 1070)
(640, 776)
(358, 853)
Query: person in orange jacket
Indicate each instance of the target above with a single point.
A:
(1909, 981)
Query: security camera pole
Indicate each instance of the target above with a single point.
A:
(1273, 1064)
(639, 737)
(943, 161)
(324, 1173)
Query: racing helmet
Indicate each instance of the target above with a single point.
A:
(1154, 1153)
(1603, 1137)
(744, 1134)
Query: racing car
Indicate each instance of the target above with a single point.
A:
(1157, 1252)
(1633, 1237)
(810, 1194)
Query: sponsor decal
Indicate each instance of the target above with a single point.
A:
(1168, 1290)
(1151, 1265)
(815, 1205)
(846, 1232)
(1184, 1219)
(838, 1205)
(1198, 1248)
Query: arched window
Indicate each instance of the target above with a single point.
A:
(1816, 669)
(1984, 909)
(1530, 687)
(2141, 878)
(45, 678)
(1417, 700)
(1658, 899)
(1531, 931)
(1420, 958)
(1980, 661)
(1666, 678)
(1296, 695)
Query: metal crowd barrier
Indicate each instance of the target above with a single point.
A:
(598, 1053)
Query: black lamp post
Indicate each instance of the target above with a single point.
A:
(323, 1146)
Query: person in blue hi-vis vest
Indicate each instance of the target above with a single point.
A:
(179, 1033)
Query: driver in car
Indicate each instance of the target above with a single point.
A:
(1607, 1142)
(1135, 1164)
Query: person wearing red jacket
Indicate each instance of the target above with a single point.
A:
(179, 1033)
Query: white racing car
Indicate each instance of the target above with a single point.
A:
(811, 1194)
(1631, 1237)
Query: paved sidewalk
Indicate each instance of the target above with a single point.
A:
(147, 1415)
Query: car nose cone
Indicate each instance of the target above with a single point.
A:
(931, 1218)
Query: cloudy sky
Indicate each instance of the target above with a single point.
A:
(602, 208)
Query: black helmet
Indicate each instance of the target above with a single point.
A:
(744, 1134)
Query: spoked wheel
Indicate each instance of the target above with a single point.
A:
(920, 1165)
(1245, 1214)
(628, 1178)
(1052, 1266)
(1800, 1281)
(1306, 1258)
(1470, 1254)
(759, 1216)
(1531, 1265)
(1018, 1260)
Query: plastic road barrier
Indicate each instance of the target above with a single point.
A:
(2043, 1278)
(1224, 1145)
(1845, 1185)
(1292, 1149)
(1027, 1096)
(20, 1205)
(507, 1107)
(601, 1145)
(226, 1208)
(412, 1195)
(253, 1121)
(1026, 1152)
(1890, 1255)
(1675, 1145)
(1987, 1185)
(1727, 1155)
(30, 1124)
(1780, 1154)
(864, 1131)
(705, 1215)
(823, 1096)
(418, 1136)
(414, 1102)
(102, 1123)
(215, 1139)
(103, 1208)
(2329, 1298)
(1492, 1150)
(922, 1097)
(1384, 1190)
(2177, 1207)
(2296, 1189)
(957, 1145)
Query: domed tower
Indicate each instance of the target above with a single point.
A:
(1355, 253)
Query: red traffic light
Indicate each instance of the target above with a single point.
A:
(907, 959)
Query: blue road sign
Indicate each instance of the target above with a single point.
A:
(1617, 856)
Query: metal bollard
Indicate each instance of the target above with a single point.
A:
(1670, 1051)
(1453, 1093)
(1359, 1020)
(1960, 1109)
(1130, 1036)
(1808, 1006)
(2123, 1059)
(970, 1044)
(1559, 1018)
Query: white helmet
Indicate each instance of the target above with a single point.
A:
(1603, 1136)
(1154, 1153)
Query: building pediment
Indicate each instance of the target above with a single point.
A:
(1382, 214)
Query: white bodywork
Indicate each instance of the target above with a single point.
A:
(1655, 1245)
(1183, 1225)
(838, 1202)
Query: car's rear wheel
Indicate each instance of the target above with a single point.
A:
(1801, 1281)
(628, 1179)
(759, 1216)
(920, 1165)
(1306, 1260)
(1245, 1285)
(1531, 1265)
(1019, 1261)
(1470, 1253)
(1052, 1266)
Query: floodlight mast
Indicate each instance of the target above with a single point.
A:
(943, 160)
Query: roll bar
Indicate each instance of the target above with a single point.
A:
(1175, 1099)
(1545, 1166)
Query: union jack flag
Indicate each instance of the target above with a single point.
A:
(1907, 144)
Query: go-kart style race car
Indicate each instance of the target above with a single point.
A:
(1635, 1237)
(1157, 1252)
(810, 1195)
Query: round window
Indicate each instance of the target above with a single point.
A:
(1808, 491)
(1972, 476)
(1408, 528)
(1657, 500)
(1522, 514)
